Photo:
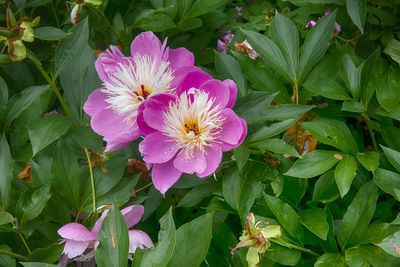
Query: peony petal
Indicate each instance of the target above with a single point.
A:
(190, 164)
(232, 128)
(217, 90)
(232, 92)
(164, 176)
(157, 148)
(115, 145)
(95, 102)
(192, 79)
(153, 114)
(138, 239)
(99, 222)
(180, 73)
(180, 57)
(77, 232)
(147, 44)
(213, 156)
(75, 248)
(144, 128)
(133, 214)
(227, 147)
(108, 62)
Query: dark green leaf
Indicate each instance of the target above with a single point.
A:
(345, 172)
(201, 7)
(393, 156)
(325, 189)
(357, 11)
(388, 93)
(313, 164)
(370, 160)
(192, 242)
(6, 172)
(32, 202)
(156, 22)
(388, 244)
(280, 113)
(250, 106)
(277, 146)
(328, 88)
(271, 130)
(113, 238)
(353, 106)
(393, 50)
(315, 219)
(229, 68)
(283, 255)
(371, 76)
(49, 33)
(38, 264)
(197, 194)
(388, 181)
(48, 255)
(3, 92)
(352, 76)
(373, 255)
(5, 218)
(241, 155)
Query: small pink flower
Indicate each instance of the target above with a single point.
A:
(128, 82)
(310, 24)
(187, 133)
(80, 243)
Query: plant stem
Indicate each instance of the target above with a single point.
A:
(92, 181)
(290, 245)
(23, 241)
(53, 87)
(143, 188)
(370, 130)
(14, 255)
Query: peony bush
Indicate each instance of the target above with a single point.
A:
(199, 133)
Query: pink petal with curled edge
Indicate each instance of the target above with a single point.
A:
(180, 73)
(217, 90)
(76, 231)
(227, 147)
(138, 239)
(147, 44)
(108, 62)
(180, 57)
(75, 248)
(192, 80)
(232, 92)
(133, 214)
(164, 176)
(153, 114)
(192, 163)
(232, 128)
(213, 156)
(157, 148)
(95, 102)
(99, 222)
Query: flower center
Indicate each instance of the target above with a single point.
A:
(193, 121)
(133, 81)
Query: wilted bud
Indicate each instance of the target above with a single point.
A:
(75, 13)
(16, 50)
(27, 35)
(245, 48)
(255, 237)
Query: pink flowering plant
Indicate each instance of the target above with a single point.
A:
(199, 133)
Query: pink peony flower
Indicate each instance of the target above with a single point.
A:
(80, 243)
(151, 69)
(187, 132)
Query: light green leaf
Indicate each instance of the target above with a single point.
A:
(113, 238)
(373, 255)
(313, 164)
(357, 11)
(192, 242)
(370, 160)
(328, 88)
(229, 68)
(388, 181)
(277, 146)
(358, 215)
(331, 260)
(6, 172)
(270, 131)
(46, 130)
(353, 106)
(283, 255)
(345, 172)
(315, 219)
(393, 50)
(286, 215)
(389, 243)
(332, 132)
(393, 156)
(5, 218)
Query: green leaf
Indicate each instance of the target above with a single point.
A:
(201, 7)
(71, 47)
(315, 220)
(32, 202)
(332, 132)
(198, 193)
(388, 93)
(331, 260)
(313, 164)
(270, 131)
(192, 242)
(253, 105)
(345, 172)
(38, 264)
(6, 172)
(3, 93)
(49, 254)
(49, 33)
(370, 160)
(113, 238)
(280, 113)
(269, 52)
(352, 76)
(277, 146)
(353, 106)
(388, 181)
(47, 130)
(240, 188)
(283, 255)
(373, 255)
(393, 156)
(5, 218)
(316, 44)
(371, 76)
(5, 260)
(325, 189)
(162, 253)
(358, 215)
(156, 22)
(392, 49)
(328, 88)
(229, 68)
(241, 155)
(285, 35)
(286, 215)
(388, 244)
(376, 232)
(357, 11)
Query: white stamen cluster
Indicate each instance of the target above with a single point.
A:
(193, 121)
(134, 80)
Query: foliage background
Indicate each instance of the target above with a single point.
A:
(322, 156)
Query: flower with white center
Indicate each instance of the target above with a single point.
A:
(128, 82)
(187, 133)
